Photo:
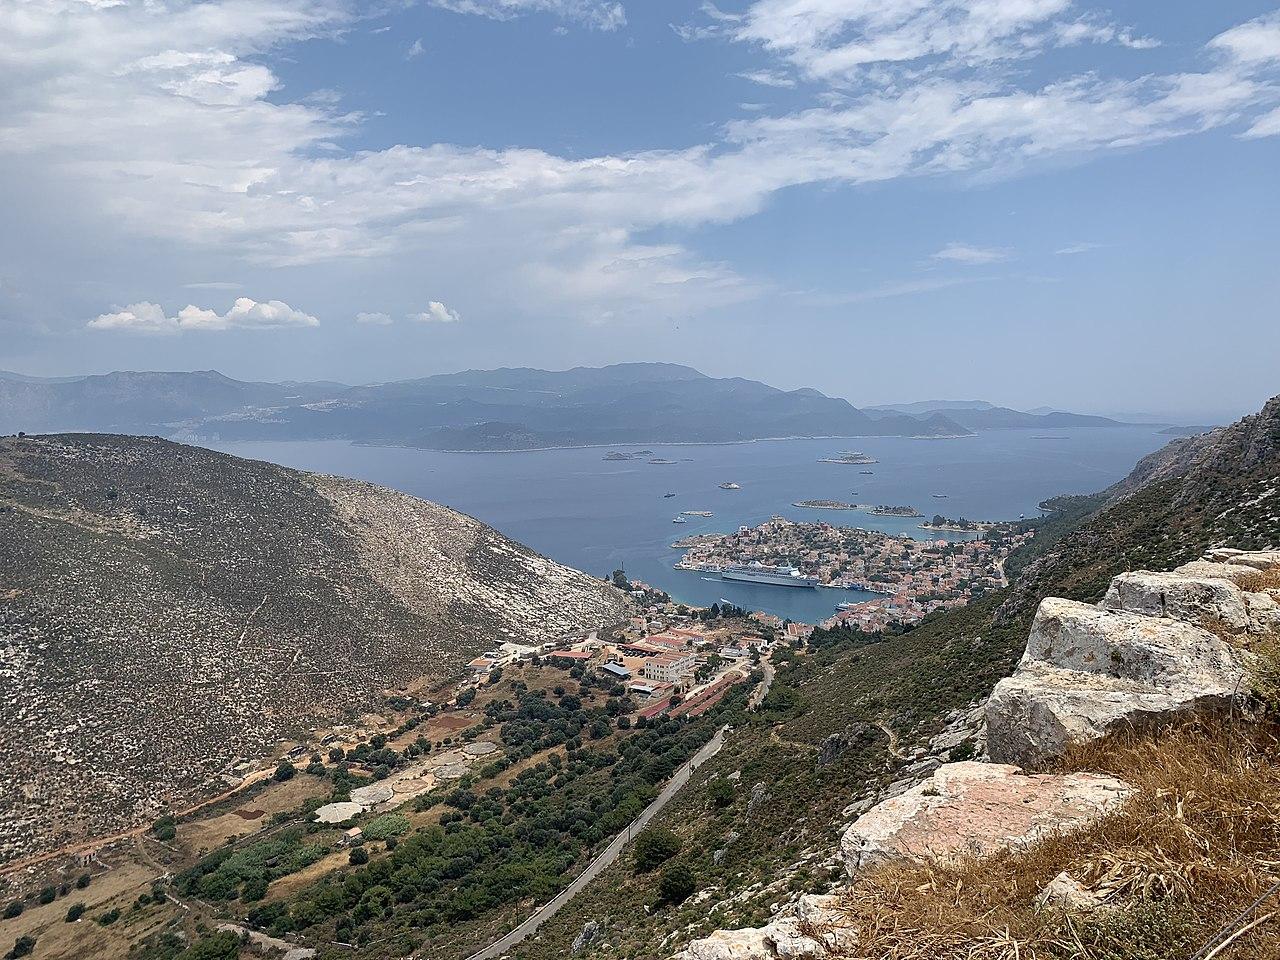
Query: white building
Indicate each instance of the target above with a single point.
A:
(669, 667)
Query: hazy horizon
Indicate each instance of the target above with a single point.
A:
(1061, 204)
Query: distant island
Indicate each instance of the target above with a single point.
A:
(884, 511)
(850, 457)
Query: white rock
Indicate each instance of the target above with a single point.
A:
(1257, 559)
(813, 928)
(1203, 601)
(1065, 893)
(1088, 670)
(973, 809)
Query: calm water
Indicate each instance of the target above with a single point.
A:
(597, 515)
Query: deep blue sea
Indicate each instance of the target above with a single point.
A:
(597, 515)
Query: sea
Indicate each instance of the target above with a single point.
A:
(599, 515)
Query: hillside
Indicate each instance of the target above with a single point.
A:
(856, 714)
(166, 611)
(981, 415)
(633, 403)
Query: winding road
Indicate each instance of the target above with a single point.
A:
(608, 855)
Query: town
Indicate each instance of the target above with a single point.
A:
(914, 577)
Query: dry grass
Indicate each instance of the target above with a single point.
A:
(1198, 842)
(1260, 581)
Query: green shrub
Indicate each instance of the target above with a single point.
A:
(676, 885)
(654, 847)
(75, 912)
(386, 826)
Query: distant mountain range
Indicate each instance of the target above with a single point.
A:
(981, 415)
(506, 409)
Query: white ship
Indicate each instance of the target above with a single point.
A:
(679, 520)
(757, 572)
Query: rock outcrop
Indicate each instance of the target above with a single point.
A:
(810, 929)
(1158, 644)
(973, 809)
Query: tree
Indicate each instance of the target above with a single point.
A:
(23, 947)
(75, 912)
(720, 792)
(285, 771)
(358, 856)
(655, 847)
(164, 829)
(13, 909)
(676, 885)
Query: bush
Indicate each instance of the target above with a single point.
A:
(110, 917)
(655, 847)
(676, 885)
(13, 909)
(285, 771)
(720, 792)
(358, 856)
(75, 912)
(48, 895)
(23, 947)
(83, 881)
(164, 829)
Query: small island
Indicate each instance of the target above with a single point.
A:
(886, 511)
(827, 505)
(939, 522)
(855, 457)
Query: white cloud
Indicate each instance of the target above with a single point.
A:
(597, 14)
(838, 39)
(970, 255)
(1254, 42)
(165, 121)
(148, 317)
(415, 50)
(1268, 125)
(436, 312)
(768, 78)
(373, 319)
(1072, 249)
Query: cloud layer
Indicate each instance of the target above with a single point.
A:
(167, 121)
(148, 317)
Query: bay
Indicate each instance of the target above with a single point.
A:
(598, 515)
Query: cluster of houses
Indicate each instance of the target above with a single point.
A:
(664, 665)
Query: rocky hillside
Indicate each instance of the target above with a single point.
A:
(166, 611)
(1161, 650)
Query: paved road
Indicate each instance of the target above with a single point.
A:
(758, 695)
(610, 854)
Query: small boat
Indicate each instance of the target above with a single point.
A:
(667, 496)
(679, 520)
(938, 496)
(868, 472)
(847, 605)
(730, 486)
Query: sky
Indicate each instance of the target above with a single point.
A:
(1035, 202)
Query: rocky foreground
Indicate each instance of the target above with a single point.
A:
(167, 612)
(1159, 646)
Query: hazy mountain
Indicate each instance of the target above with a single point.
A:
(474, 410)
(140, 402)
(166, 610)
(981, 415)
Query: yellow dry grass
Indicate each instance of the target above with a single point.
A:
(1197, 843)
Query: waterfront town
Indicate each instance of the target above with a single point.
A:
(913, 577)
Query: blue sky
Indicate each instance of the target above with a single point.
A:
(1031, 201)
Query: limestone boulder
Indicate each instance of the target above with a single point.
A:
(974, 809)
(1207, 602)
(1088, 670)
(811, 929)
(1034, 715)
(1085, 638)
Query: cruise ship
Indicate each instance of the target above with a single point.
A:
(757, 572)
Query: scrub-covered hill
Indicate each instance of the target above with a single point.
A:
(166, 611)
